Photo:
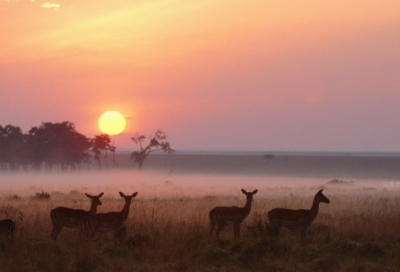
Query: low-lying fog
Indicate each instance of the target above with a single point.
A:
(163, 185)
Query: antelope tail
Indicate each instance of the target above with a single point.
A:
(213, 218)
(11, 230)
(53, 216)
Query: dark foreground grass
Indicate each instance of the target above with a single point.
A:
(173, 235)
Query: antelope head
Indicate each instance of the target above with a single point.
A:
(249, 195)
(128, 199)
(321, 198)
(95, 199)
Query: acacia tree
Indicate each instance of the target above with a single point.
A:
(102, 144)
(156, 143)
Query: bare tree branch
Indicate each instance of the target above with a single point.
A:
(156, 143)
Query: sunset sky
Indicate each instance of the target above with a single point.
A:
(252, 75)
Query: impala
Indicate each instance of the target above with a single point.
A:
(120, 236)
(7, 227)
(296, 219)
(112, 221)
(72, 218)
(222, 216)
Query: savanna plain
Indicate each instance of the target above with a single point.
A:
(168, 226)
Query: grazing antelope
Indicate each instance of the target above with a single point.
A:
(112, 221)
(72, 218)
(222, 216)
(7, 227)
(296, 219)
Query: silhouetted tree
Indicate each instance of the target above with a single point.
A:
(101, 146)
(58, 143)
(13, 148)
(156, 143)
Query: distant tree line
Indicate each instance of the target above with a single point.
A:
(49, 146)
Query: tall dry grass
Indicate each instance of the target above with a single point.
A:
(357, 231)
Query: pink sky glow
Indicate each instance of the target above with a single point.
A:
(214, 75)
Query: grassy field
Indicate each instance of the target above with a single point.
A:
(357, 231)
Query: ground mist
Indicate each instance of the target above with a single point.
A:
(168, 228)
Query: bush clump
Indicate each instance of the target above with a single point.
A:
(13, 197)
(339, 181)
(42, 196)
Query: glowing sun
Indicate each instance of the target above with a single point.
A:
(112, 122)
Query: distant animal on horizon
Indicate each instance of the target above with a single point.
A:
(112, 221)
(7, 227)
(296, 219)
(223, 216)
(72, 218)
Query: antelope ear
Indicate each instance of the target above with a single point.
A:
(121, 194)
(320, 191)
(89, 196)
(244, 191)
(134, 194)
(100, 195)
(255, 191)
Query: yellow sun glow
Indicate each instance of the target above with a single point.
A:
(112, 122)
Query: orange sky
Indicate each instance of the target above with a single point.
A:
(215, 75)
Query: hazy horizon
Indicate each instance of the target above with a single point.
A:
(125, 150)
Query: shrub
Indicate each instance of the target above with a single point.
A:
(261, 229)
(339, 181)
(13, 197)
(42, 196)
(11, 213)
